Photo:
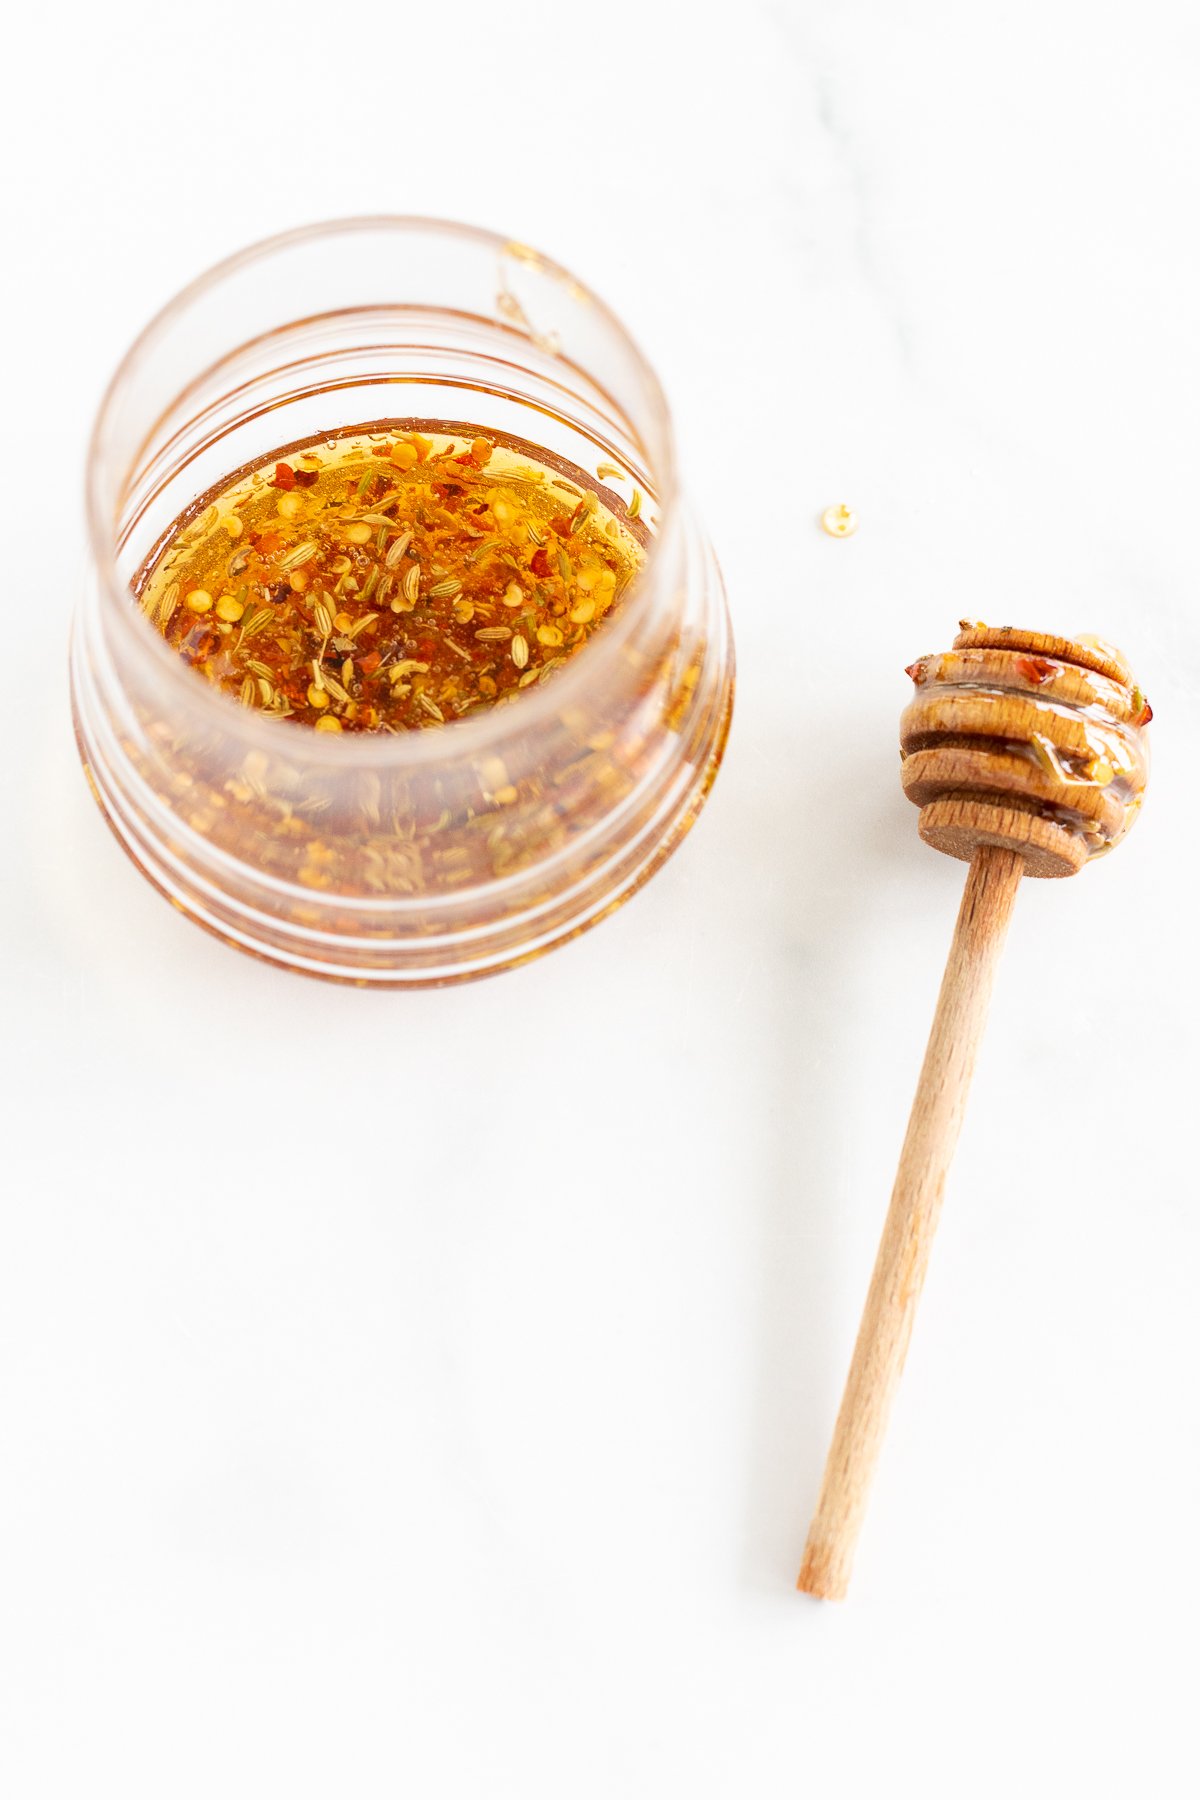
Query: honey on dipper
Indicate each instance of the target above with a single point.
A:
(1015, 737)
(1026, 754)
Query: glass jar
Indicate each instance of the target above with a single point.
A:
(421, 856)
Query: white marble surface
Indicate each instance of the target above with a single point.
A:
(461, 1442)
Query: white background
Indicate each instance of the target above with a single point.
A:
(457, 1436)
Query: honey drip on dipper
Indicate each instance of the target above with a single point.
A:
(1044, 727)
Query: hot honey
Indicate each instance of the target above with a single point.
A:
(334, 678)
(392, 578)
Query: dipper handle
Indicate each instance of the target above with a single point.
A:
(933, 1128)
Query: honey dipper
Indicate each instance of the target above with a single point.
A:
(1026, 755)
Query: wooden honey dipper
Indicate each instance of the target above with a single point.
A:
(1026, 756)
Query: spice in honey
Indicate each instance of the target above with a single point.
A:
(393, 577)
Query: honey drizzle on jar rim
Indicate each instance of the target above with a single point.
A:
(392, 576)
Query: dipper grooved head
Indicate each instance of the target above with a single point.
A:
(1025, 740)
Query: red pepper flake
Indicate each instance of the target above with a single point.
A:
(466, 457)
(369, 664)
(561, 524)
(197, 644)
(540, 563)
(284, 477)
(307, 477)
(1146, 714)
(916, 671)
(1035, 669)
(267, 543)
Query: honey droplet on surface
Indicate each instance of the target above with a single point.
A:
(839, 521)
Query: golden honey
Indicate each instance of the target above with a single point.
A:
(397, 577)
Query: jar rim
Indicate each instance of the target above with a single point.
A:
(481, 730)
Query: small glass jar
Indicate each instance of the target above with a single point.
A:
(423, 856)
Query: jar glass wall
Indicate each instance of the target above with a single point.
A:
(421, 856)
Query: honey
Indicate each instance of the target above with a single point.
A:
(392, 577)
(401, 657)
